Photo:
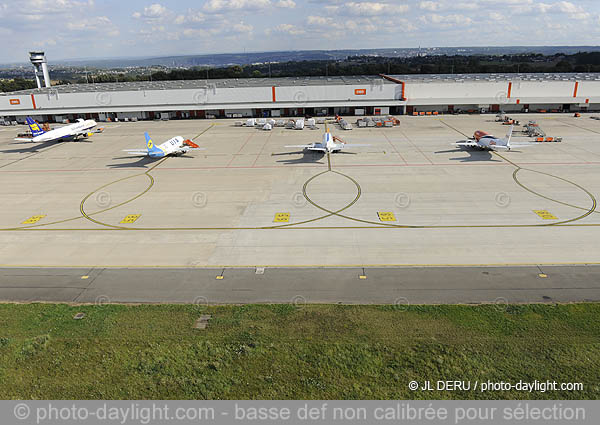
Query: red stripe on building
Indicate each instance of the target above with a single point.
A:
(509, 89)
(397, 81)
(576, 88)
(273, 90)
(33, 101)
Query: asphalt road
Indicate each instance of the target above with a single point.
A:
(433, 285)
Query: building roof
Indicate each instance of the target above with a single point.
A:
(460, 78)
(195, 84)
(304, 81)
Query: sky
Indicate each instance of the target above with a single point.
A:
(75, 29)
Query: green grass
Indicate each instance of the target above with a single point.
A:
(288, 352)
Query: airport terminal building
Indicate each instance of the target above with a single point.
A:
(299, 96)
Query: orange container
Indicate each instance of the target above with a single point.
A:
(435, 112)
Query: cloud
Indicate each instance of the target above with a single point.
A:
(67, 27)
(155, 11)
(362, 9)
(436, 6)
(432, 6)
(221, 6)
(289, 4)
(242, 28)
(192, 16)
(286, 29)
(446, 21)
(99, 23)
(564, 7)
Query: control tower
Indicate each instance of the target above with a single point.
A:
(38, 59)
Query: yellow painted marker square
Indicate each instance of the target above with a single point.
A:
(33, 219)
(282, 217)
(386, 216)
(131, 218)
(545, 215)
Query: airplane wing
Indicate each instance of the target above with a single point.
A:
(138, 152)
(467, 143)
(23, 139)
(299, 146)
(311, 148)
(523, 145)
(348, 145)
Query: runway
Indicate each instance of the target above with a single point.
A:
(370, 285)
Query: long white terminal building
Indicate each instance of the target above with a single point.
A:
(298, 96)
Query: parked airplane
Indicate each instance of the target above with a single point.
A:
(328, 144)
(485, 141)
(80, 129)
(176, 146)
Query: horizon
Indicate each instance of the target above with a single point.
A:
(61, 61)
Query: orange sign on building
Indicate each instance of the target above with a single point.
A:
(360, 92)
(15, 102)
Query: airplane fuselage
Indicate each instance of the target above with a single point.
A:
(66, 132)
(490, 142)
(170, 147)
(328, 144)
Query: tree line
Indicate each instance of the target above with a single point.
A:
(373, 65)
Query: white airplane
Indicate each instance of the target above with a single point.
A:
(176, 146)
(80, 129)
(328, 144)
(485, 141)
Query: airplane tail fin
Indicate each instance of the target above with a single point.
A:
(34, 127)
(509, 136)
(191, 144)
(150, 145)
